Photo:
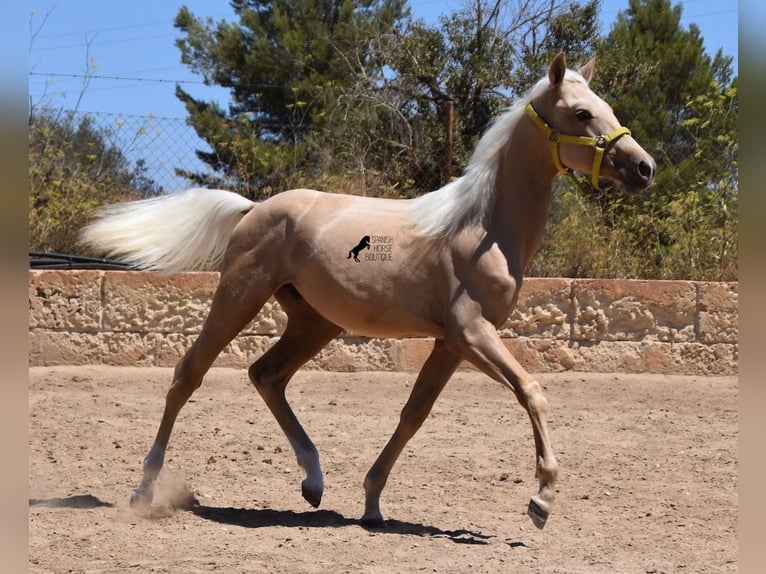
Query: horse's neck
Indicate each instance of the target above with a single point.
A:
(522, 196)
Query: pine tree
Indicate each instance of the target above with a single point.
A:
(286, 63)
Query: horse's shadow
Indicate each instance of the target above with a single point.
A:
(260, 518)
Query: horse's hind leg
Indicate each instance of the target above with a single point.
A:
(230, 311)
(435, 373)
(306, 334)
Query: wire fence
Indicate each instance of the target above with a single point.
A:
(699, 243)
(163, 144)
(164, 151)
(158, 147)
(81, 160)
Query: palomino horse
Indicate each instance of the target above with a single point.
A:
(447, 265)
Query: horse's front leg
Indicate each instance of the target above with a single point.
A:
(482, 346)
(433, 376)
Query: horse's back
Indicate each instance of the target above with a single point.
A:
(320, 219)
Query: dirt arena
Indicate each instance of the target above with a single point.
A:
(648, 476)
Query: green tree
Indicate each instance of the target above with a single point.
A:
(573, 29)
(286, 63)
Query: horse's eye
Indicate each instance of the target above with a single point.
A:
(583, 115)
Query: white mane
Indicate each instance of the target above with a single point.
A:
(468, 200)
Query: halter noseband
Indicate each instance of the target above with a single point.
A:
(599, 143)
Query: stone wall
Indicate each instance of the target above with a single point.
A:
(150, 319)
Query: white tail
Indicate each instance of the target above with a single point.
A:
(186, 231)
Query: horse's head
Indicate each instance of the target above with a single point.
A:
(584, 134)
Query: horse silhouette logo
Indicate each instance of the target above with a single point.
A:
(363, 244)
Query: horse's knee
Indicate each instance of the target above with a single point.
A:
(188, 373)
(254, 374)
(530, 394)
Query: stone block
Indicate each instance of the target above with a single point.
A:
(172, 303)
(271, 320)
(718, 312)
(65, 300)
(544, 310)
(130, 349)
(49, 348)
(151, 319)
(611, 357)
(141, 301)
(709, 360)
(631, 310)
(544, 355)
(347, 354)
(244, 351)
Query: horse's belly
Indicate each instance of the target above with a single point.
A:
(373, 300)
(378, 317)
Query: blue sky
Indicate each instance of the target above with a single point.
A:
(135, 40)
(129, 48)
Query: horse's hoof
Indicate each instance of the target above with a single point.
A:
(375, 522)
(140, 499)
(538, 511)
(312, 495)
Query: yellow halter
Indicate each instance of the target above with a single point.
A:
(599, 143)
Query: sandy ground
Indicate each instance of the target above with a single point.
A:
(648, 476)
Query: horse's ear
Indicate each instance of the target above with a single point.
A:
(558, 69)
(587, 70)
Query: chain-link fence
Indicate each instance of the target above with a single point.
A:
(161, 154)
(157, 148)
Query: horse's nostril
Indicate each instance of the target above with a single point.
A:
(645, 170)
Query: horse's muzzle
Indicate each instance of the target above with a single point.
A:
(637, 175)
(642, 177)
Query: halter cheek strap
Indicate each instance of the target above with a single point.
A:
(599, 143)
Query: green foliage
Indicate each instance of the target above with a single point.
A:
(574, 30)
(444, 84)
(72, 170)
(577, 243)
